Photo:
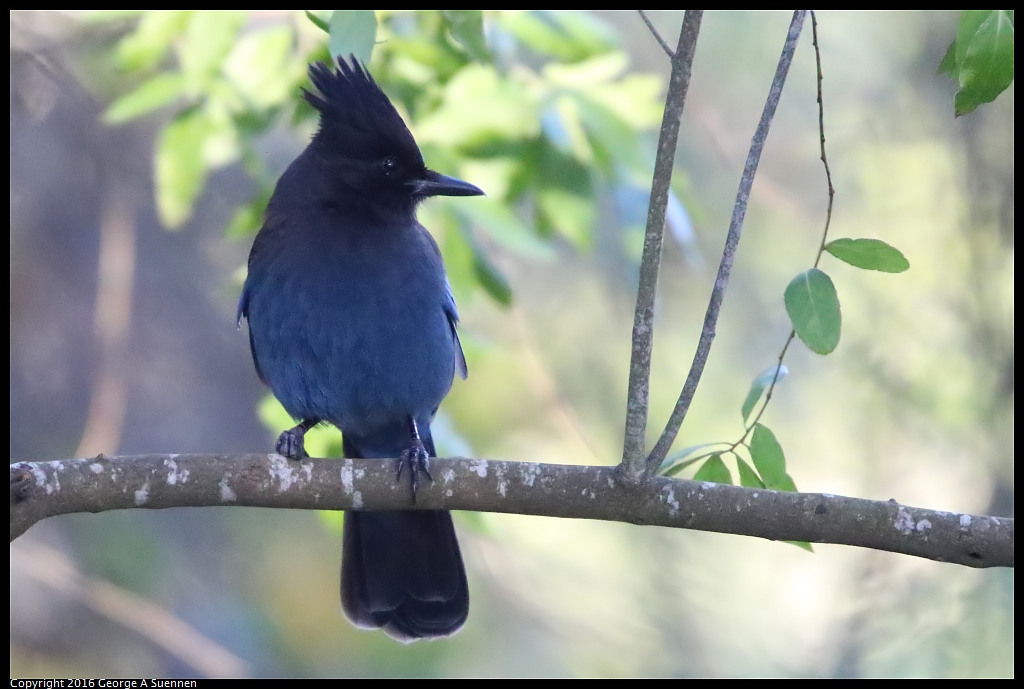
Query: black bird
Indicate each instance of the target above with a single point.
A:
(352, 322)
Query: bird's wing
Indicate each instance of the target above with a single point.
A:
(243, 305)
(453, 319)
(243, 312)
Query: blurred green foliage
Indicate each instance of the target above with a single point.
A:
(545, 140)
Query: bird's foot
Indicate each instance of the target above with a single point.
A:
(416, 458)
(292, 443)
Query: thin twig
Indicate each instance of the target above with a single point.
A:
(707, 334)
(657, 36)
(643, 321)
(828, 214)
(821, 132)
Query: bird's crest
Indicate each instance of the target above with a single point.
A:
(351, 103)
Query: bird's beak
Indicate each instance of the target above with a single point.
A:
(435, 184)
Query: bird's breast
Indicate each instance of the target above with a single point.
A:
(354, 335)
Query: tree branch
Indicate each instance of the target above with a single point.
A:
(643, 320)
(732, 240)
(45, 489)
(657, 36)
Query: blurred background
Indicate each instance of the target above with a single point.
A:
(131, 218)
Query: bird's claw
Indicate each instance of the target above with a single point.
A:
(416, 458)
(292, 443)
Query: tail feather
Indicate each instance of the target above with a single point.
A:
(402, 571)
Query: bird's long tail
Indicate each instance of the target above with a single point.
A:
(402, 571)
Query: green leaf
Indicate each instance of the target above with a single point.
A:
(318, 22)
(714, 470)
(511, 111)
(787, 484)
(801, 544)
(567, 35)
(813, 307)
(759, 385)
(492, 279)
(748, 477)
(984, 57)
(673, 468)
(467, 27)
(262, 68)
(947, 65)
(208, 39)
(458, 255)
(768, 458)
(487, 274)
(562, 126)
(152, 39)
(614, 140)
(676, 462)
(604, 80)
(968, 25)
(687, 451)
(505, 228)
(870, 254)
(180, 168)
(569, 214)
(555, 168)
(150, 95)
(352, 32)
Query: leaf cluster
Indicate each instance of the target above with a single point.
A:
(537, 108)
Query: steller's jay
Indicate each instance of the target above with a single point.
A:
(352, 322)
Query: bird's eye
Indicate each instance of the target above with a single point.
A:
(389, 165)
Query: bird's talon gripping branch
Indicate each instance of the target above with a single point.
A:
(292, 443)
(416, 457)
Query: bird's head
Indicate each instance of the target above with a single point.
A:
(364, 143)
